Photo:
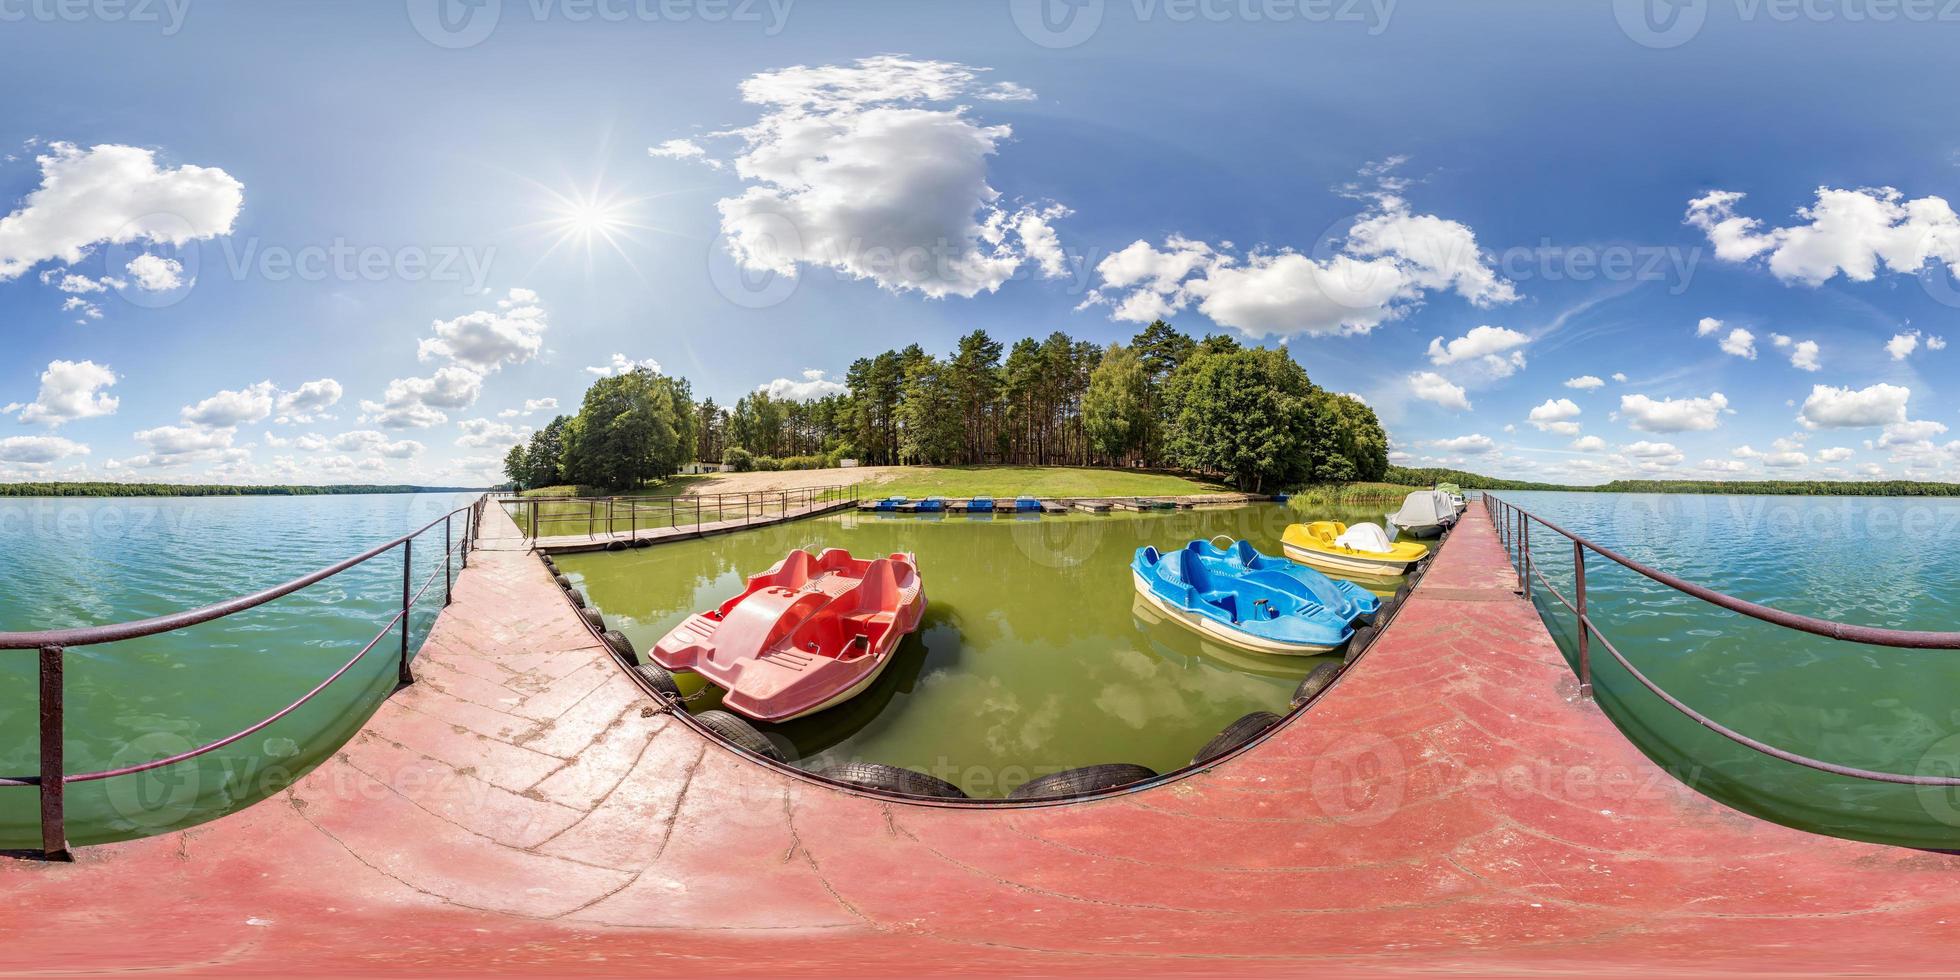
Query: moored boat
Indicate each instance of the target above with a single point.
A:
(1364, 549)
(1251, 601)
(810, 633)
(1424, 514)
(1456, 496)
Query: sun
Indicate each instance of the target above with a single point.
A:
(593, 219)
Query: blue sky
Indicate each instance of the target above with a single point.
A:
(327, 242)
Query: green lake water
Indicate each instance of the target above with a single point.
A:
(1031, 658)
(1888, 562)
(83, 562)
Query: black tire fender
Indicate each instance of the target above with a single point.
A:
(739, 733)
(593, 618)
(1081, 782)
(893, 779)
(621, 645)
(661, 680)
(1359, 643)
(1316, 683)
(1236, 734)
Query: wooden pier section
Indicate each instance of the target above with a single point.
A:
(613, 539)
(1449, 806)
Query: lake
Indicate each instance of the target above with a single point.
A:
(1888, 562)
(75, 561)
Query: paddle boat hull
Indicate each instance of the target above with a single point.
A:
(1424, 514)
(809, 634)
(1245, 600)
(1316, 546)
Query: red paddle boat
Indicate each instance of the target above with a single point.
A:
(808, 634)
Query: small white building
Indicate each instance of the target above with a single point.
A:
(699, 469)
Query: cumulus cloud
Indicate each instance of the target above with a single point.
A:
(1652, 453)
(370, 441)
(1585, 382)
(115, 194)
(1495, 348)
(622, 364)
(1673, 414)
(1855, 233)
(1830, 407)
(1556, 415)
(482, 433)
(70, 390)
(172, 445)
(1589, 444)
(488, 339)
(418, 403)
(1902, 345)
(1432, 387)
(1804, 355)
(155, 273)
(1389, 260)
(540, 405)
(38, 450)
(1740, 343)
(1835, 454)
(1707, 326)
(811, 387)
(1475, 444)
(873, 169)
(307, 402)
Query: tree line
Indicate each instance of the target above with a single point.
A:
(1247, 415)
(106, 489)
(1430, 476)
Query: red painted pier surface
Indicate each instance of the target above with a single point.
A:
(1449, 806)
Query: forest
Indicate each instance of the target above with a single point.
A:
(1248, 416)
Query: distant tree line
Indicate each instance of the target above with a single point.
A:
(1425, 477)
(1246, 415)
(206, 490)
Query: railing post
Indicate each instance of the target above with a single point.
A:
(1579, 601)
(469, 534)
(448, 549)
(534, 520)
(697, 513)
(633, 519)
(612, 521)
(408, 566)
(1524, 557)
(54, 826)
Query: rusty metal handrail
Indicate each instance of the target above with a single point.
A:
(53, 645)
(1514, 532)
(682, 510)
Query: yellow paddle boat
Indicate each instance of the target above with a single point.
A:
(1363, 549)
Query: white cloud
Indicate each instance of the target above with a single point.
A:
(1486, 345)
(1707, 325)
(1589, 444)
(1475, 443)
(417, 403)
(1902, 345)
(1936, 343)
(812, 387)
(305, 404)
(684, 149)
(1008, 92)
(1556, 415)
(1915, 433)
(1853, 232)
(228, 409)
(170, 445)
(1620, 376)
(870, 169)
(1673, 414)
(483, 433)
(37, 450)
(1740, 343)
(70, 390)
(155, 273)
(1845, 408)
(1585, 382)
(1390, 259)
(1723, 466)
(1432, 387)
(540, 405)
(114, 194)
(486, 340)
(1652, 453)
(1835, 454)
(622, 364)
(1804, 356)
(370, 441)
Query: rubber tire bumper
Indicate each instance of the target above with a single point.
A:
(661, 680)
(893, 779)
(1082, 782)
(739, 733)
(1316, 683)
(1236, 734)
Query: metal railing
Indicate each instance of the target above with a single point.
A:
(626, 517)
(53, 645)
(1513, 525)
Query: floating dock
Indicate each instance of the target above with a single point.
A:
(1449, 806)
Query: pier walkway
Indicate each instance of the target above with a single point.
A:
(1449, 806)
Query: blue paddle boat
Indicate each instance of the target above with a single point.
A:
(980, 505)
(1249, 600)
(892, 503)
(932, 505)
(1026, 505)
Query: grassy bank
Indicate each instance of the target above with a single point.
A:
(1341, 494)
(1033, 481)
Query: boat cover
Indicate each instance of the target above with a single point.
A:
(1365, 537)
(1424, 508)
